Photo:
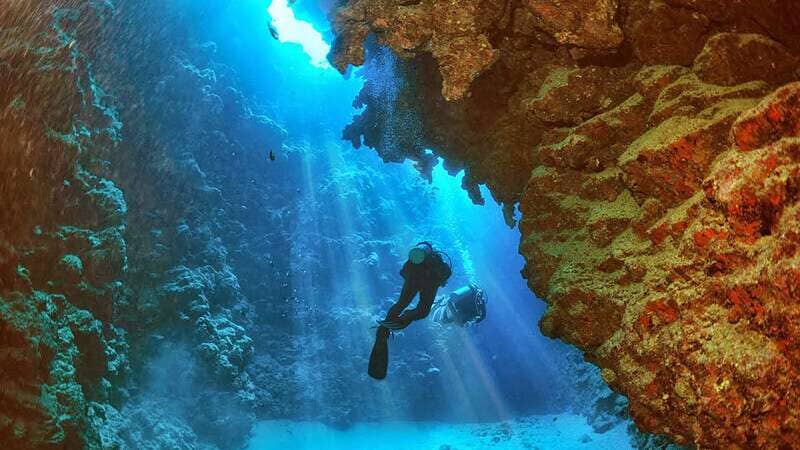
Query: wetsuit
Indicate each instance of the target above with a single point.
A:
(423, 279)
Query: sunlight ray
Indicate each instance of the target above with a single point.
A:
(291, 30)
(490, 386)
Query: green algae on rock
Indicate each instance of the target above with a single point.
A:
(662, 248)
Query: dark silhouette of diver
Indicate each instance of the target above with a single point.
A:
(424, 273)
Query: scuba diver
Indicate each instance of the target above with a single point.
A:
(424, 273)
(464, 307)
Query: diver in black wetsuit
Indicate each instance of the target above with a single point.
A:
(424, 273)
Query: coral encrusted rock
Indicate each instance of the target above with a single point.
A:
(62, 252)
(652, 149)
(449, 30)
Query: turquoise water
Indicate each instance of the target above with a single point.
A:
(502, 373)
(552, 432)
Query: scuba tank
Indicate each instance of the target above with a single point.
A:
(465, 306)
(469, 303)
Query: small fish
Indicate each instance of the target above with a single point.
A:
(274, 33)
(271, 155)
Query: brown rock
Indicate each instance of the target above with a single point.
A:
(732, 58)
(663, 34)
(777, 116)
(779, 20)
(583, 23)
(461, 60)
(670, 161)
(448, 29)
(572, 96)
(661, 209)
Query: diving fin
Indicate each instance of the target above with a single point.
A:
(379, 358)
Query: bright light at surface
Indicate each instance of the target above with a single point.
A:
(292, 30)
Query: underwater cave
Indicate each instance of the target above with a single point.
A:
(214, 213)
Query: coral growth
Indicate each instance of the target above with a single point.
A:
(652, 146)
(62, 254)
(652, 149)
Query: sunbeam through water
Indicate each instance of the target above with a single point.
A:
(324, 224)
(498, 370)
(292, 30)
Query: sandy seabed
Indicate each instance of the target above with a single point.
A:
(556, 432)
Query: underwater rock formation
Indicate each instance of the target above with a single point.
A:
(187, 214)
(62, 254)
(99, 269)
(652, 148)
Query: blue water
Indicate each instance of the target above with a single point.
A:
(503, 347)
(563, 432)
(463, 388)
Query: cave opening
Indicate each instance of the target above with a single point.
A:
(309, 234)
(353, 220)
(203, 219)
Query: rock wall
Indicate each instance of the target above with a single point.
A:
(113, 238)
(651, 146)
(62, 253)
(204, 224)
